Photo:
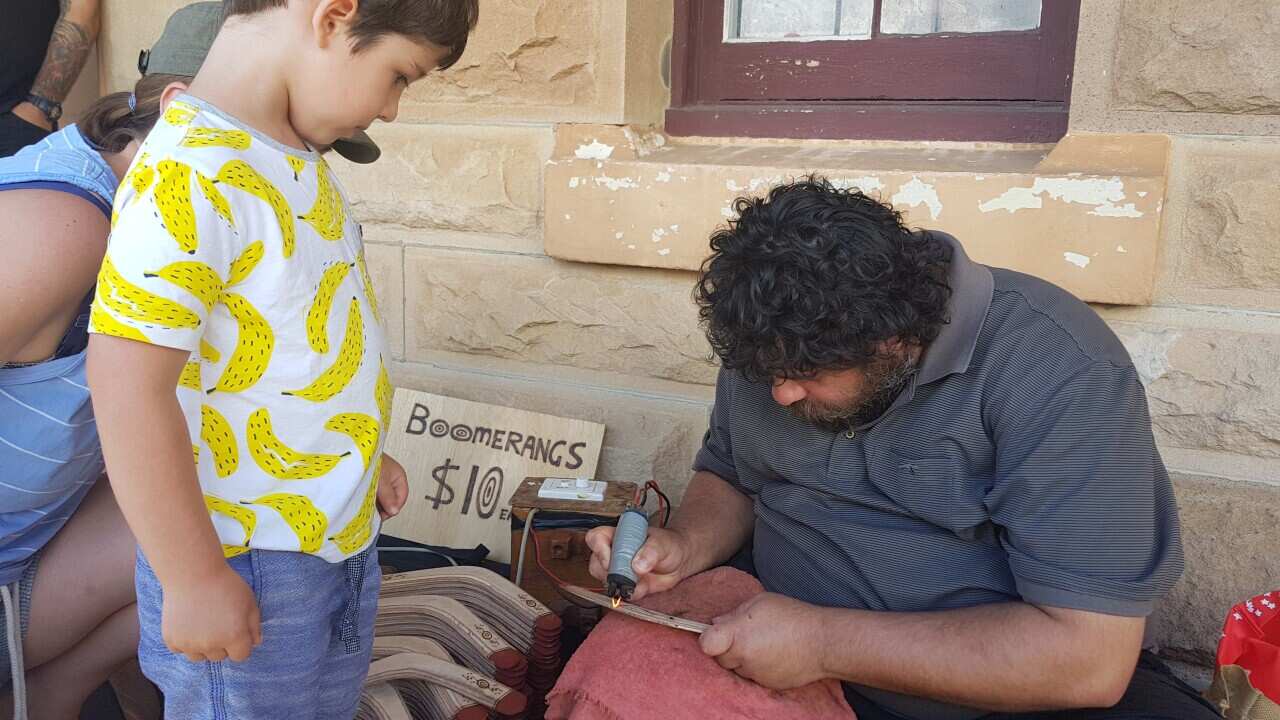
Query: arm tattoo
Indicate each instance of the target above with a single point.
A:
(68, 50)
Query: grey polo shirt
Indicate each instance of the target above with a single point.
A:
(1018, 465)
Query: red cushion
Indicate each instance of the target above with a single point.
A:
(629, 669)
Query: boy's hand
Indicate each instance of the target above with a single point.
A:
(214, 619)
(393, 488)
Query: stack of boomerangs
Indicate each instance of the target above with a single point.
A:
(459, 642)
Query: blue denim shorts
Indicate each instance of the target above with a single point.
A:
(317, 637)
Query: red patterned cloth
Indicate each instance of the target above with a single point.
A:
(1251, 639)
(632, 670)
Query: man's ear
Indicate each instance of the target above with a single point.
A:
(332, 19)
(171, 91)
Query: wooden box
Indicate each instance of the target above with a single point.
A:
(561, 528)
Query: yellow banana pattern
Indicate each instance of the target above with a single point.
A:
(216, 199)
(195, 277)
(363, 430)
(130, 301)
(306, 520)
(360, 528)
(238, 174)
(190, 377)
(247, 518)
(243, 265)
(179, 113)
(327, 215)
(338, 375)
(368, 286)
(318, 315)
(173, 202)
(217, 435)
(296, 164)
(140, 176)
(383, 393)
(209, 352)
(202, 137)
(260, 444)
(102, 322)
(279, 460)
(253, 350)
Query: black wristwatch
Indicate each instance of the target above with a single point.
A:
(51, 109)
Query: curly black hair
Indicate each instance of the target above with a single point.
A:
(814, 277)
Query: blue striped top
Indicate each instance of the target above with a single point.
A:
(49, 451)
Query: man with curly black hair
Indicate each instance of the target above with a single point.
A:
(945, 471)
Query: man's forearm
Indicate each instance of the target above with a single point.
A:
(1005, 657)
(716, 519)
(72, 39)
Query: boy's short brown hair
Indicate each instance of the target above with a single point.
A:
(446, 23)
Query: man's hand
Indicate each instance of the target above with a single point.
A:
(659, 564)
(393, 488)
(214, 619)
(771, 639)
(32, 115)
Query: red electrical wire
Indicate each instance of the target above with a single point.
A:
(537, 556)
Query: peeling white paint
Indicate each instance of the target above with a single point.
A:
(567, 216)
(979, 177)
(917, 192)
(753, 185)
(1080, 261)
(812, 63)
(573, 182)
(663, 177)
(594, 151)
(616, 183)
(674, 228)
(1120, 249)
(617, 236)
(1013, 200)
(866, 183)
(658, 234)
(1126, 210)
(631, 247)
(1149, 350)
(664, 251)
(1142, 193)
(1102, 193)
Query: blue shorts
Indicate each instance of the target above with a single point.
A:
(317, 637)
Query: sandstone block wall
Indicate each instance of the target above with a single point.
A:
(454, 219)
(1209, 346)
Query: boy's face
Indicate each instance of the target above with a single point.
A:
(338, 92)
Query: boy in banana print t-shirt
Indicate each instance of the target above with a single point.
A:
(238, 363)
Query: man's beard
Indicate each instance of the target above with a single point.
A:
(885, 379)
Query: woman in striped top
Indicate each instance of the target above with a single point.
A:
(66, 554)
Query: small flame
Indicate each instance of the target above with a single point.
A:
(616, 602)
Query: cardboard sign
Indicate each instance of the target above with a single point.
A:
(465, 460)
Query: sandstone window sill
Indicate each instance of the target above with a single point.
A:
(1084, 213)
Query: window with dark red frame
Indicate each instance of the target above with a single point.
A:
(1011, 86)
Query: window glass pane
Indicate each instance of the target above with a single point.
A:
(774, 20)
(922, 17)
(855, 18)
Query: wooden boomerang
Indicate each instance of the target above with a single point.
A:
(637, 612)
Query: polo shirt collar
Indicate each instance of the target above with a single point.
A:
(971, 288)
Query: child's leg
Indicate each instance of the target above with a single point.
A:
(301, 598)
(351, 645)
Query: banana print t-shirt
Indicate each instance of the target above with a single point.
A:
(241, 250)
